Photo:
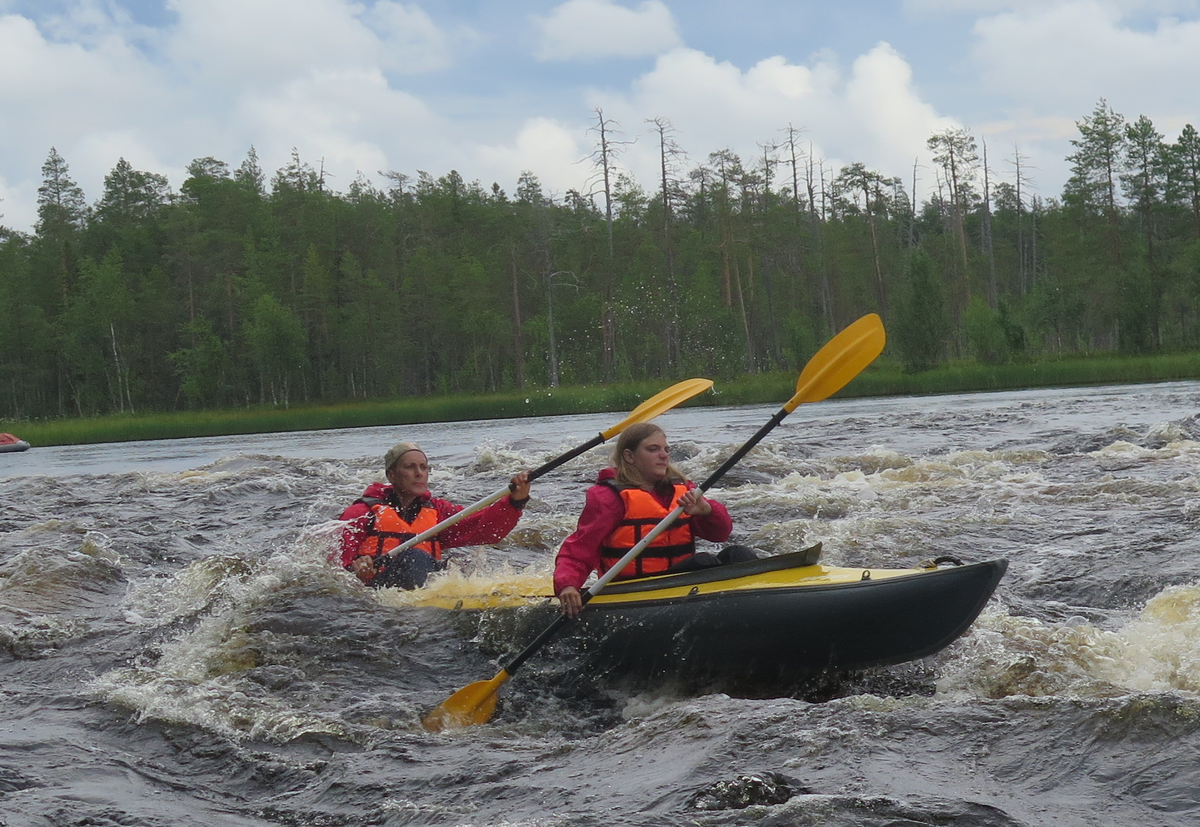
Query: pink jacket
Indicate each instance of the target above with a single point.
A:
(603, 509)
(490, 525)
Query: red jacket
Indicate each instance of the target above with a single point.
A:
(602, 512)
(490, 525)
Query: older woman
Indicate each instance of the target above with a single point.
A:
(387, 515)
(630, 498)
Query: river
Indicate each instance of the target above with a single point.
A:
(174, 649)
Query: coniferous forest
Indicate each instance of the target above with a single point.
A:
(243, 288)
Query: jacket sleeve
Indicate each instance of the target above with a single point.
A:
(715, 526)
(579, 555)
(491, 525)
(357, 517)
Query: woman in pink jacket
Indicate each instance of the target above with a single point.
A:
(628, 500)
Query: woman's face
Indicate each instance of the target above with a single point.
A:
(651, 457)
(410, 475)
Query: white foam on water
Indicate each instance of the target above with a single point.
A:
(197, 676)
(1156, 651)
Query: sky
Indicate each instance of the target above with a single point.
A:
(492, 89)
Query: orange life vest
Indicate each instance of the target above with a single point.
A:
(387, 529)
(643, 512)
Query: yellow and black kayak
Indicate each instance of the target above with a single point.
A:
(771, 622)
(780, 620)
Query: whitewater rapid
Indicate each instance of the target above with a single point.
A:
(175, 650)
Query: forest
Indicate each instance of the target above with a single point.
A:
(237, 291)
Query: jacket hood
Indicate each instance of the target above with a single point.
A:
(610, 473)
(378, 490)
(381, 490)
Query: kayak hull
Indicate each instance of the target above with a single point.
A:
(749, 638)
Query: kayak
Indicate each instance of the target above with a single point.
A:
(10, 444)
(767, 624)
(781, 620)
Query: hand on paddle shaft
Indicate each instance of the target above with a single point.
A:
(662, 401)
(841, 359)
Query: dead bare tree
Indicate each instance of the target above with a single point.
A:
(986, 233)
(815, 175)
(670, 155)
(793, 159)
(604, 157)
(608, 148)
(1022, 182)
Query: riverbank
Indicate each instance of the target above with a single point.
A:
(880, 379)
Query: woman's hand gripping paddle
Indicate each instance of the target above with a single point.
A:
(652, 407)
(841, 359)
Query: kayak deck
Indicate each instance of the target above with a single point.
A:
(780, 571)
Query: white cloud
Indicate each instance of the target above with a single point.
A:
(592, 29)
(268, 42)
(60, 93)
(872, 114)
(997, 6)
(63, 77)
(883, 105)
(275, 74)
(1044, 67)
(348, 120)
(547, 148)
(412, 42)
(1071, 54)
(364, 85)
(272, 41)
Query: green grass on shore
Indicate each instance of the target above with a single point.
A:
(880, 379)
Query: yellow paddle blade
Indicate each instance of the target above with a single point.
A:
(843, 357)
(661, 401)
(469, 706)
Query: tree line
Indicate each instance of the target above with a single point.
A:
(237, 291)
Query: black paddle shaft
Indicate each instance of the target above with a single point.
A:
(598, 439)
(547, 633)
(737, 455)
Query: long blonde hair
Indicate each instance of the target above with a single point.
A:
(630, 439)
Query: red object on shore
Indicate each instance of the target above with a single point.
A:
(10, 443)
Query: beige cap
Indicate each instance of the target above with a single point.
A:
(396, 451)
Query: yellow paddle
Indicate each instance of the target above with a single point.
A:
(841, 359)
(652, 407)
